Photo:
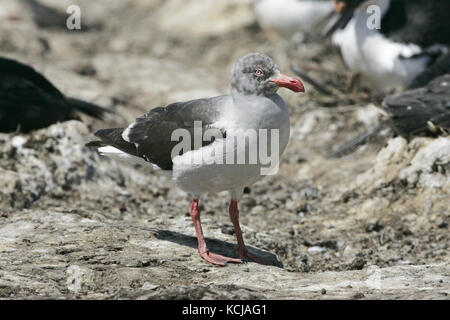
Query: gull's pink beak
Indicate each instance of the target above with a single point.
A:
(291, 83)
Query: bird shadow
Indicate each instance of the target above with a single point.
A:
(218, 246)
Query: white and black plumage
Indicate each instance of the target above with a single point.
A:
(28, 101)
(287, 17)
(413, 35)
(252, 105)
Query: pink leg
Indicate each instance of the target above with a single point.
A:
(202, 249)
(241, 249)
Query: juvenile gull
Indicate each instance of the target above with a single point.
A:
(252, 105)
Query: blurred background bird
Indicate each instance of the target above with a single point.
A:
(410, 37)
(422, 110)
(284, 18)
(28, 101)
(395, 45)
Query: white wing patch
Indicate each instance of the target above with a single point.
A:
(126, 132)
(116, 154)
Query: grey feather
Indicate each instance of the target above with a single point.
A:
(150, 135)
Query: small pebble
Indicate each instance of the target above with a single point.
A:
(358, 295)
(258, 210)
(357, 264)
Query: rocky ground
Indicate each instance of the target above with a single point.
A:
(372, 224)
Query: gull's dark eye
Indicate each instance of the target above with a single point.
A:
(258, 73)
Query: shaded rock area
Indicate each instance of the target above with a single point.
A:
(369, 225)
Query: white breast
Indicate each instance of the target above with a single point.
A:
(209, 170)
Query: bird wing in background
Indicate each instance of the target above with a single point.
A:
(28, 101)
(422, 22)
(26, 106)
(420, 110)
(413, 112)
(440, 67)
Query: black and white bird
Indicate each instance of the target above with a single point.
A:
(287, 17)
(253, 106)
(28, 101)
(409, 38)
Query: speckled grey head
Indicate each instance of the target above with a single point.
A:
(257, 74)
(250, 75)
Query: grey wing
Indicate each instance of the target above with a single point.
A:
(441, 88)
(151, 134)
(440, 66)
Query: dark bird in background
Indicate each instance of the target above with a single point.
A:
(48, 17)
(28, 101)
(414, 112)
(422, 110)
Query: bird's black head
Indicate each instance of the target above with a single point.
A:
(257, 74)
